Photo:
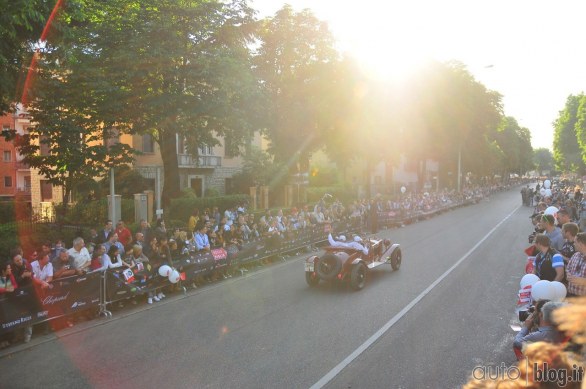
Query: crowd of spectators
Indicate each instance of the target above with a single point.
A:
(149, 247)
(553, 331)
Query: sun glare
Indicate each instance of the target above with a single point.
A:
(388, 44)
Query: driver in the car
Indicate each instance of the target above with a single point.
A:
(341, 242)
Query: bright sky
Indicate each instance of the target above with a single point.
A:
(531, 51)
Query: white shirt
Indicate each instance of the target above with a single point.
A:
(350, 245)
(106, 262)
(42, 274)
(81, 259)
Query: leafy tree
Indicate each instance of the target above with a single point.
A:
(296, 61)
(543, 159)
(580, 130)
(515, 142)
(449, 114)
(259, 168)
(21, 24)
(569, 139)
(168, 68)
(66, 143)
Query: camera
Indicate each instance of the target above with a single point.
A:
(523, 315)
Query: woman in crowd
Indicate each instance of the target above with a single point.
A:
(7, 280)
(7, 285)
(97, 258)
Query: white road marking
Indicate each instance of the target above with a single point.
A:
(364, 346)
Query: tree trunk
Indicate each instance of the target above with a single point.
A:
(168, 145)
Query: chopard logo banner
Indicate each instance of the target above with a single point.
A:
(50, 300)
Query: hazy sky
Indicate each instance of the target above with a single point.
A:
(530, 51)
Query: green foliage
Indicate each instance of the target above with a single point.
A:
(344, 194)
(11, 211)
(543, 160)
(569, 137)
(30, 236)
(21, 24)
(324, 175)
(211, 192)
(127, 182)
(94, 213)
(580, 129)
(172, 68)
(67, 142)
(295, 61)
(515, 143)
(188, 193)
(181, 208)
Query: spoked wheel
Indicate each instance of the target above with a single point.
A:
(311, 278)
(358, 276)
(396, 259)
(328, 267)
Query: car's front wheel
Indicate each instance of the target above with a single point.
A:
(358, 276)
(311, 278)
(396, 257)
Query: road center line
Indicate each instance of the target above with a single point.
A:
(342, 365)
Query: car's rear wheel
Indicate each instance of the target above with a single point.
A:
(396, 258)
(358, 276)
(311, 278)
(328, 267)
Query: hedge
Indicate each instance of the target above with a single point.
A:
(30, 236)
(95, 213)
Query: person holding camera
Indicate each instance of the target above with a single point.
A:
(543, 320)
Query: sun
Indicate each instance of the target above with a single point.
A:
(388, 43)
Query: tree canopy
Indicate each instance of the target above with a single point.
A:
(21, 25)
(205, 70)
(569, 140)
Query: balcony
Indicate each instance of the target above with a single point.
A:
(25, 190)
(19, 165)
(202, 161)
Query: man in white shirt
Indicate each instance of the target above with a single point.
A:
(81, 257)
(42, 270)
(356, 245)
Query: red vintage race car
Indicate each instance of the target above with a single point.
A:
(350, 264)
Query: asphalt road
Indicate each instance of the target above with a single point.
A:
(447, 310)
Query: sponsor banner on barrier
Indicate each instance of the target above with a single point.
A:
(30, 305)
(18, 309)
(219, 254)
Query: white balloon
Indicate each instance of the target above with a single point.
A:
(542, 192)
(551, 211)
(560, 290)
(547, 184)
(174, 277)
(403, 189)
(548, 192)
(542, 290)
(528, 280)
(165, 270)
